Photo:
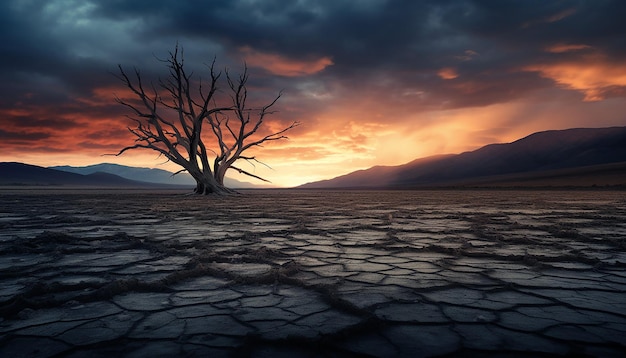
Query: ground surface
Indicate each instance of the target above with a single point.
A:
(305, 273)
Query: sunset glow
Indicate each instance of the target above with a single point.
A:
(372, 83)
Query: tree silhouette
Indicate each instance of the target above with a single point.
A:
(188, 126)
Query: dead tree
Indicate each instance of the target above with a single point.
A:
(189, 128)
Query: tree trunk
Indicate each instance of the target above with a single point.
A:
(206, 184)
(220, 173)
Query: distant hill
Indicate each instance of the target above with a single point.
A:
(573, 157)
(20, 174)
(133, 173)
(151, 175)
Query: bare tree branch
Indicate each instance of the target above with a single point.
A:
(249, 174)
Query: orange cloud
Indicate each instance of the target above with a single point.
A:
(561, 48)
(448, 73)
(106, 95)
(595, 76)
(282, 66)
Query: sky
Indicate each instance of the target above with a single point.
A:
(372, 82)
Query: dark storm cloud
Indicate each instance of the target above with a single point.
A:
(32, 122)
(453, 53)
(532, 25)
(38, 66)
(26, 47)
(356, 34)
(22, 136)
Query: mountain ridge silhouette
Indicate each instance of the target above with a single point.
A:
(577, 152)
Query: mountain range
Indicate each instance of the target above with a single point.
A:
(151, 175)
(580, 157)
(20, 174)
(98, 175)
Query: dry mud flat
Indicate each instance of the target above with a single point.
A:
(305, 273)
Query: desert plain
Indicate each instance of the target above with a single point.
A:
(297, 273)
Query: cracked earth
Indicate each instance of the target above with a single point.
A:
(308, 273)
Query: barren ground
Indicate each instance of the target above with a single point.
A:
(310, 273)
